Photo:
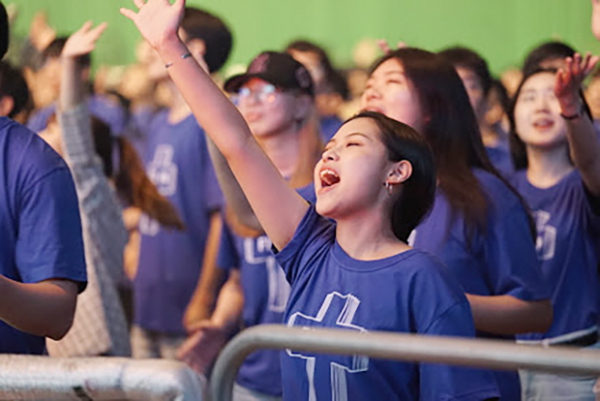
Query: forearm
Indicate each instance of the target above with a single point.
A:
(230, 304)
(234, 195)
(585, 148)
(44, 309)
(507, 315)
(203, 300)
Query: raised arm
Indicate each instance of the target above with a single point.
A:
(278, 207)
(582, 137)
(106, 232)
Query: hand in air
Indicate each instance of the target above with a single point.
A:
(84, 40)
(157, 20)
(596, 18)
(385, 47)
(569, 79)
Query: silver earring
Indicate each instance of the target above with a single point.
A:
(389, 187)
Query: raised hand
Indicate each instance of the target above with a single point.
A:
(157, 20)
(385, 47)
(569, 79)
(84, 40)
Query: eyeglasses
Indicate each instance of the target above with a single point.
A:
(266, 94)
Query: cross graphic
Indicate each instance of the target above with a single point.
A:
(337, 310)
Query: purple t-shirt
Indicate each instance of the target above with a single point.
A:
(410, 292)
(40, 225)
(501, 262)
(100, 107)
(568, 231)
(266, 293)
(170, 261)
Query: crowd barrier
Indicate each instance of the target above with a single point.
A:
(491, 354)
(44, 378)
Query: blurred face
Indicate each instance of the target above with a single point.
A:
(389, 92)
(350, 176)
(49, 76)
(537, 113)
(474, 90)
(52, 136)
(267, 109)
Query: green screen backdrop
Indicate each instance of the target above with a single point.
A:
(501, 30)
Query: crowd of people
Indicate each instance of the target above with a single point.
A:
(159, 216)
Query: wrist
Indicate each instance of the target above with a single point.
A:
(572, 112)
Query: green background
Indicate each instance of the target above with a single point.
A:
(501, 30)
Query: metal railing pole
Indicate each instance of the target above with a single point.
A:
(489, 354)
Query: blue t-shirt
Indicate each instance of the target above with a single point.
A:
(500, 262)
(100, 107)
(266, 293)
(170, 261)
(568, 231)
(40, 228)
(410, 293)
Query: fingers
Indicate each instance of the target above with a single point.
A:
(139, 3)
(383, 45)
(97, 31)
(128, 13)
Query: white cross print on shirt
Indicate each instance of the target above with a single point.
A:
(338, 311)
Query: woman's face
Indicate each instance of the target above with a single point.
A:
(391, 93)
(267, 109)
(349, 177)
(537, 113)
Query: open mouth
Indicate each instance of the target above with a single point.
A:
(543, 123)
(328, 178)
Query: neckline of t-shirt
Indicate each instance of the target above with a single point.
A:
(348, 262)
(559, 184)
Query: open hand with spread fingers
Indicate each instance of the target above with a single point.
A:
(569, 79)
(157, 20)
(84, 40)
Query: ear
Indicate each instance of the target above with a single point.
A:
(400, 172)
(7, 104)
(197, 47)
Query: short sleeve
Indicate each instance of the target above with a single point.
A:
(447, 382)
(213, 196)
(313, 237)
(49, 243)
(227, 257)
(511, 257)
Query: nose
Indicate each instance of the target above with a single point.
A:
(329, 155)
(370, 93)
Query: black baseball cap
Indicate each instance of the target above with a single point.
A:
(279, 69)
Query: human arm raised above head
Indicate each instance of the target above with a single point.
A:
(583, 139)
(278, 207)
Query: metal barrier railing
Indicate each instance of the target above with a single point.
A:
(44, 378)
(492, 354)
